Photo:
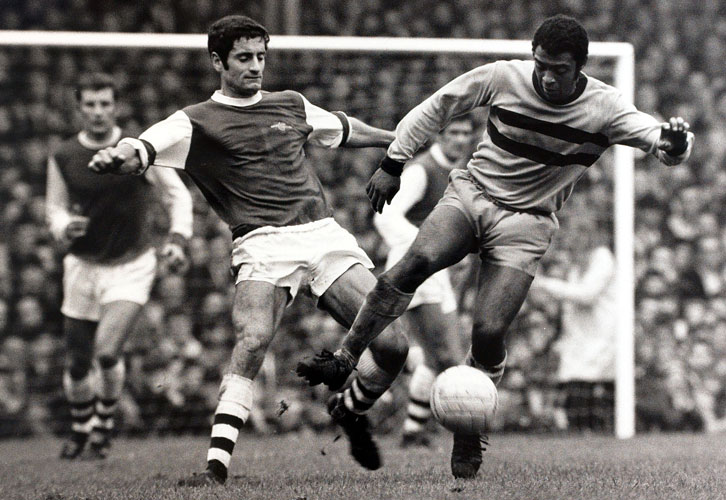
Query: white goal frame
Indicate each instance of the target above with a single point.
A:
(624, 80)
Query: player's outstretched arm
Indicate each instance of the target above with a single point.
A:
(121, 160)
(363, 135)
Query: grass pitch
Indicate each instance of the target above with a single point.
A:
(316, 467)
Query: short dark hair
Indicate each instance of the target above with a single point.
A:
(224, 32)
(95, 81)
(561, 33)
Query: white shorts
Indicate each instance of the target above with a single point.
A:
(311, 256)
(88, 285)
(436, 289)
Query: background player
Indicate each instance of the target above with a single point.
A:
(548, 123)
(432, 313)
(109, 269)
(244, 149)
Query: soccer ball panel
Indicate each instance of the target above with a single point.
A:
(464, 400)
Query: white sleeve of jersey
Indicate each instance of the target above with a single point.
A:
(640, 130)
(56, 201)
(392, 224)
(327, 127)
(175, 198)
(171, 139)
(461, 95)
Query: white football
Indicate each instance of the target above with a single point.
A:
(464, 400)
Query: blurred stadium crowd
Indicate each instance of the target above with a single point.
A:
(180, 346)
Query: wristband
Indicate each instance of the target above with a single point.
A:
(391, 166)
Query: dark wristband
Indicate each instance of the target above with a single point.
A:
(391, 166)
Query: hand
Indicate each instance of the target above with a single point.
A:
(381, 189)
(174, 257)
(77, 227)
(115, 160)
(674, 136)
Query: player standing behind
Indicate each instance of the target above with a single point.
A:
(244, 149)
(548, 123)
(110, 266)
(432, 312)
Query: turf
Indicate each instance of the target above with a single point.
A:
(317, 467)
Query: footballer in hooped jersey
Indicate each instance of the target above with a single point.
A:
(548, 123)
(243, 148)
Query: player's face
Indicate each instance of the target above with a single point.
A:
(556, 74)
(456, 140)
(98, 111)
(245, 65)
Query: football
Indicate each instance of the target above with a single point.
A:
(464, 400)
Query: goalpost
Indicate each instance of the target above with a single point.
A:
(621, 54)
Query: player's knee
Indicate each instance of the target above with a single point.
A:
(106, 361)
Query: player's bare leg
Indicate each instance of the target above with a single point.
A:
(257, 311)
(117, 320)
(439, 335)
(378, 367)
(78, 383)
(501, 293)
(445, 237)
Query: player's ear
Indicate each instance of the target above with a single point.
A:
(217, 62)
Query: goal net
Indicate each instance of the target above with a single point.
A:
(375, 79)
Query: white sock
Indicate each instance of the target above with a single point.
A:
(236, 394)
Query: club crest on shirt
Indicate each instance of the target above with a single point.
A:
(281, 126)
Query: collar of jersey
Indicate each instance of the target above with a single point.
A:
(440, 157)
(88, 142)
(579, 89)
(240, 102)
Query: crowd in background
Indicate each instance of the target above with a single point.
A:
(175, 357)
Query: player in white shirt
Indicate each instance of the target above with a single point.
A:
(548, 123)
(432, 315)
(588, 337)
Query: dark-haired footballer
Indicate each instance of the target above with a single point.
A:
(110, 264)
(243, 148)
(548, 123)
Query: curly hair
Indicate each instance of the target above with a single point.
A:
(227, 30)
(561, 33)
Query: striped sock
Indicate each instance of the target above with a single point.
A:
(369, 384)
(418, 410)
(80, 396)
(111, 385)
(235, 401)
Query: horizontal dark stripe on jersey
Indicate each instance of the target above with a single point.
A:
(537, 154)
(556, 130)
